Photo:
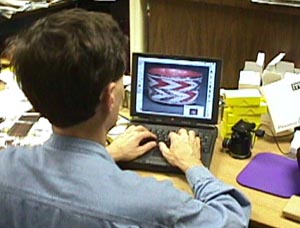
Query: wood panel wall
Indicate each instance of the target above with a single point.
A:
(234, 34)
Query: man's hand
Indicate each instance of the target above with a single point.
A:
(128, 146)
(184, 151)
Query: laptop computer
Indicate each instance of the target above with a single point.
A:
(173, 92)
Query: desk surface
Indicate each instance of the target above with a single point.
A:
(266, 208)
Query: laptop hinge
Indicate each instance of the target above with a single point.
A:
(183, 123)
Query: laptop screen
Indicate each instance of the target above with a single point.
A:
(175, 88)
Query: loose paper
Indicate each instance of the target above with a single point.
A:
(283, 98)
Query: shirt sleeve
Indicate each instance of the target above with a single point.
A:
(215, 203)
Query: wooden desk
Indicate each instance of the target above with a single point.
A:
(266, 208)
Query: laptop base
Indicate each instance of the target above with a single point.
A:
(154, 160)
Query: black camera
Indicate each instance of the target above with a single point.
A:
(240, 144)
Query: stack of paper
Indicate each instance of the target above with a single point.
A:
(250, 76)
(10, 7)
(246, 104)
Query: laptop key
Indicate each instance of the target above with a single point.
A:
(156, 152)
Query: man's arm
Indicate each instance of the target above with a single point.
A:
(215, 204)
(221, 205)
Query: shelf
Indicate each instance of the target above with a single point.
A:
(41, 11)
(19, 21)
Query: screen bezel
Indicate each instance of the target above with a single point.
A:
(170, 119)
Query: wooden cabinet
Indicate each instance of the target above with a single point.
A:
(233, 30)
(119, 9)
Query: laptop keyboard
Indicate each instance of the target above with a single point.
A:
(154, 161)
(163, 135)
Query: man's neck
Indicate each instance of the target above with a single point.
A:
(86, 130)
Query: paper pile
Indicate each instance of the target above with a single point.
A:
(10, 7)
(250, 76)
(246, 104)
(256, 73)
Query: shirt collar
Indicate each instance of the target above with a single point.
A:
(78, 145)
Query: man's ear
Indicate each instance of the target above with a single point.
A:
(107, 97)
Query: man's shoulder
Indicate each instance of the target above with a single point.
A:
(14, 165)
(16, 149)
(12, 154)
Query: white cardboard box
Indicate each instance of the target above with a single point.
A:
(283, 98)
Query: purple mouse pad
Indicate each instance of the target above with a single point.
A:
(272, 173)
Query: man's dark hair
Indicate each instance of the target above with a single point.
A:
(65, 60)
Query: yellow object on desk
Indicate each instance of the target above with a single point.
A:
(4, 62)
(242, 97)
(2, 85)
(262, 108)
(292, 209)
(246, 104)
(232, 118)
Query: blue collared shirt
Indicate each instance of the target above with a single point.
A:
(71, 182)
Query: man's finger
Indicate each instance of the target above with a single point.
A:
(147, 136)
(141, 128)
(147, 146)
(163, 147)
(182, 131)
(192, 134)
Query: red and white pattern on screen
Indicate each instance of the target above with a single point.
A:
(173, 86)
